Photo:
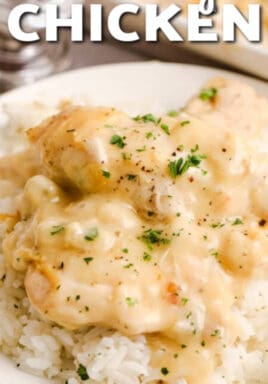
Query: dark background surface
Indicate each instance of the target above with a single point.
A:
(88, 54)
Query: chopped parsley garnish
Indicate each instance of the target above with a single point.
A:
(106, 174)
(217, 225)
(142, 149)
(77, 297)
(185, 122)
(181, 166)
(88, 259)
(126, 156)
(92, 234)
(195, 149)
(147, 256)
(117, 140)
(165, 128)
(131, 177)
(173, 113)
(149, 135)
(208, 94)
(131, 301)
(237, 221)
(82, 372)
(125, 250)
(148, 118)
(164, 371)
(184, 300)
(215, 333)
(203, 343)
(56, 229)
(127, 266)
(214, 253)
(175, 167)
(153, 236)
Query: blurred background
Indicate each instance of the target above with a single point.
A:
(25, 63)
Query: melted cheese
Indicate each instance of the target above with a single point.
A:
(108, 234)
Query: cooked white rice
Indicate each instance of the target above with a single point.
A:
(45, 349)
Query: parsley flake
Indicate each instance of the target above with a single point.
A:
(214, 253)
(217, 225)
(173, 113)
(147, 256)
(165, 128)
(106, 174)
(92, 234)
(237, 221)
(131, 177)
(88, 260)
(82, 372)
(56, 229)
(131, 301)
(127, 266)
(215, 333)
(117, 140)
(195, 149)
(153, 236)
(149, 135)
(208, 94)
(142, 149)
(184, 300)
(148, 118)
(181, 166)
(185, 122)
(126, 156)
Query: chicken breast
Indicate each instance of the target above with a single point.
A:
(234, 105)
(96, 150)
(87, 264)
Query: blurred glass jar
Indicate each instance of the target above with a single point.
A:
(22, 63)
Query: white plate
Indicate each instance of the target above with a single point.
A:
(249, 57)
(135, 88)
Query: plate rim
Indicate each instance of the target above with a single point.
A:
(48, 81)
